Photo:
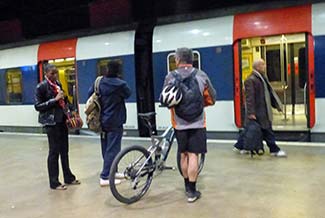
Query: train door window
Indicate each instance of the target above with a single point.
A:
(14, 86)
(102, 66)
(67, 76)
(171, 64)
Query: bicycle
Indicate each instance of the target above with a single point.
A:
(139, 169)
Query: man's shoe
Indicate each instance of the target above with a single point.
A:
(105, 182)
(240, 151)
(193, 196)
(244, 152)
(280, 153)
(60, 187)
(119, 176)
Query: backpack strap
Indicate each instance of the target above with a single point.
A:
(176, 75)
(179, 78)
(96, 86)
(194, 72)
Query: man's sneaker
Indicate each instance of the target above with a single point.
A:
(280, 153)
(105, 182)
(240, 151)
(193, 196)
(119, 176)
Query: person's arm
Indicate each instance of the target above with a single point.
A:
(209, 93)
(275, 100)
(90, 90)
(126, 91)
(40, 104)
(250, 99)
(169, 79)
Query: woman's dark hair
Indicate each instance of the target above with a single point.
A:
(49, 67)
(114, 69)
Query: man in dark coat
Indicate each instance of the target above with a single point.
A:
(260, 98)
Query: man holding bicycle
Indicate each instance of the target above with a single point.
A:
(186, 92)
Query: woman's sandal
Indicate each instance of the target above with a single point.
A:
(61, 187)
(74, 182)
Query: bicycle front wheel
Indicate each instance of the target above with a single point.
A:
(201, 162)
(135, 165)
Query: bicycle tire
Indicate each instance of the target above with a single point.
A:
(201, 162)
(113, 171)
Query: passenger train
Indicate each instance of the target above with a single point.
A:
(291, 40)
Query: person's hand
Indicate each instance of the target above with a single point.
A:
(59, 96)
(252, 117)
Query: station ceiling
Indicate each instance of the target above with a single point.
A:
(29, 19)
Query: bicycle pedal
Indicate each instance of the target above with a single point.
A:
(169, 168)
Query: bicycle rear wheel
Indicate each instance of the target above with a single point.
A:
(201, 162)
(135, 164)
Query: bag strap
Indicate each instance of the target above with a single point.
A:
(194, 72)
(176, 75)
(96, 86)
(179, 78)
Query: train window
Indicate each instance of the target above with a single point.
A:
(171, 64)
(102, 66)
(14, 86)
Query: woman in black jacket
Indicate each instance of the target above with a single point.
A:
(51, 103)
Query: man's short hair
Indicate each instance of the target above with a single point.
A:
(49, 67)
(185, 55)
(114, 68)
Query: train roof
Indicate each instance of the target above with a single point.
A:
(105, 45)
(193, 34)
(21, 56)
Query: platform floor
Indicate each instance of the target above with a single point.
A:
(232, 185)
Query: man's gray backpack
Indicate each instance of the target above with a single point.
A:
(93, 109)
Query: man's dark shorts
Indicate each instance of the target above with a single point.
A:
(192, 140)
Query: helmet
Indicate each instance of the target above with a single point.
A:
(170, 96)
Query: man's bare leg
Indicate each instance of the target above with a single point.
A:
(184, 169)
(192, 166)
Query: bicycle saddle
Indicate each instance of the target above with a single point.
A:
(146, 115)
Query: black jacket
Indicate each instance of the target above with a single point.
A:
(255, 100)
(112, 94)
(49, 109)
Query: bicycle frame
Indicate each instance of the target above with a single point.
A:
(156, 142)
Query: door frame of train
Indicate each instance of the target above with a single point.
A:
(271, 22)
(57, 50)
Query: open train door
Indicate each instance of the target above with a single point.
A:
(282, 37)
(62, 54)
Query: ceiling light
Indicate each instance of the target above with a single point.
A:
(195, 31)
(59, 60)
